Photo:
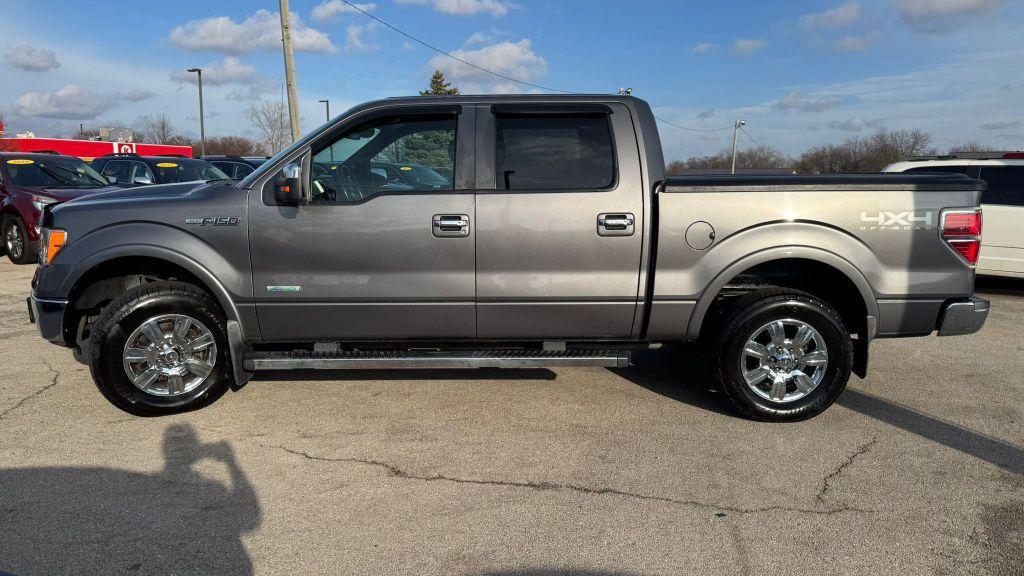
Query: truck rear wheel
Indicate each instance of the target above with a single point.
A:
(161, 348)
(783, 355)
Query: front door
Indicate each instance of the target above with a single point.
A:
(385, 248)
(559, 222)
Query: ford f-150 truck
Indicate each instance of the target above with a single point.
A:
(557, 240)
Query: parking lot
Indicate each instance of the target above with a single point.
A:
(918, 470)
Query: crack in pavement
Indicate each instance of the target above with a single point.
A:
(826, 483)
(20, 403)
(553, 486)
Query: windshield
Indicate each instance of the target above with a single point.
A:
(182, 170)
(56, 172)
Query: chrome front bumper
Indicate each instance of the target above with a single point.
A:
(963, 316)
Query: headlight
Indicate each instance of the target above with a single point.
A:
(50, 243)
(38, 202)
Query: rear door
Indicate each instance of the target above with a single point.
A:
(559, 221)
(1002, 241)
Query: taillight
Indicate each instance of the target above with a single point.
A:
(961, 229)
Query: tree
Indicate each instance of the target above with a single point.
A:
(438, 86)
(86, 134)
(870, 154)
(970, 146)
(233, 146)
(750, 158)
(270, 119)
(158, 130)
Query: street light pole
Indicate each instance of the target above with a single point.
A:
(289, 68)
(735, 135)
(327, 103)
(202, 118)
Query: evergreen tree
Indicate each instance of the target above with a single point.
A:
(438, 86)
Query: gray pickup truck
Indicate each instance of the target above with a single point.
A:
(507, 231)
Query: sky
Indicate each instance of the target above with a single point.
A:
(800, 73)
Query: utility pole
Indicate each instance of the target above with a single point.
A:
(289, 69)
(327, 103)
(735, 135)
(202, 119)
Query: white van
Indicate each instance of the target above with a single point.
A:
(1002, 240)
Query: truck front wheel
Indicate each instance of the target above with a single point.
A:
(160, 348)
(783, 355)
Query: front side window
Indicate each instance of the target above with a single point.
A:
(394, 154)
(572, 152)
(1005, 185)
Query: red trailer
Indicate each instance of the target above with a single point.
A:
(89, 149)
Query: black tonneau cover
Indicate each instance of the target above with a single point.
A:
(867, 182)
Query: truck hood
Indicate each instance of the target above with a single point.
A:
(65, 194)
(151, 192)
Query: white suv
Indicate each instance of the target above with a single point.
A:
(1002, 241)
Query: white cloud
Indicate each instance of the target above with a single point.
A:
(1011, 125)
(249, 84)
(841, 15)
(703, 48)
(31, 58)
(71, 102)
(137, 95)
(496, 8)
(851, 43)
(941, 16)
(354, 41)
(709, 113)
(798, 102)
(262, 30)
(855, 124)
(331, 9)
(746, 46)
(513, 59)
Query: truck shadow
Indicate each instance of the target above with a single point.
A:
(999, 285)
(88, 520)
(686, 375)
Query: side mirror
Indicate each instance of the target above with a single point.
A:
(288, 185)
(142, 180)
(112, 179)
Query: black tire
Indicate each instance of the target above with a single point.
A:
(754, 310)
(119, 320)
(28, 249)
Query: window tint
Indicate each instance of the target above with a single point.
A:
(971, 171)
(120, 169)
(554, 152)
(142, 171)
(394, 154)
(1005, 185)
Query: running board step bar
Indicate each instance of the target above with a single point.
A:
(305, 360)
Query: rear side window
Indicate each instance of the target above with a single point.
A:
(971, 171)
(554, 152)
(1005, 185)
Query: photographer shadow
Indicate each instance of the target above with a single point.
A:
(85, 520)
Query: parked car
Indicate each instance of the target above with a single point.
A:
(236, 167)
(128, 170)
(559, 242)
(28, 182)
(1002, 245)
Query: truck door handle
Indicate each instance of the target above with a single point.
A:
(450, 225)
(612, 224)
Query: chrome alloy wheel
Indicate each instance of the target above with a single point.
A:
(784, 360)
(15, 242)
(169, 355)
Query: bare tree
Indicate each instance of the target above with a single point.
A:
(233, 146)
(970, 146)
(158, 130)
(750, 158)
(270, 119)
(870, 154)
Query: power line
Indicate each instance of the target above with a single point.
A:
(744, 130)
(498, 74)
(452, 56)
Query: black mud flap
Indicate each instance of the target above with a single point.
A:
(860, 357)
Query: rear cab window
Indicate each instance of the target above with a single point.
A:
(1005, 185)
